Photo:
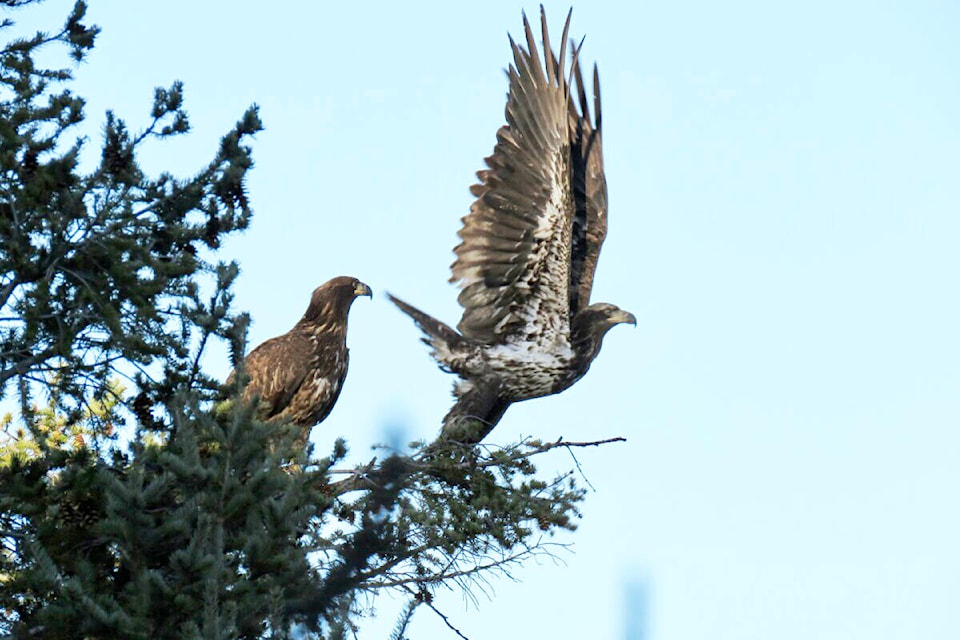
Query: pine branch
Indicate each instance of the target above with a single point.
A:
(452, 573)
(404, 619)
(368, 476)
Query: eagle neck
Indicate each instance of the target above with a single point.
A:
(328, 313)
(586, 338)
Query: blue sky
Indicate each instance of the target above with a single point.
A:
(783, 222)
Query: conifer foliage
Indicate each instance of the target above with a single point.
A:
(200, 522)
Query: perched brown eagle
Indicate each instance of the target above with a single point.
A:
(298, 376)
(528, 249)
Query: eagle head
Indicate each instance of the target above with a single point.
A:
(592, 323)
(333, 298)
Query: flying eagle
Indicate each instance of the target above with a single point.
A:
(528, 249)
(298, 376)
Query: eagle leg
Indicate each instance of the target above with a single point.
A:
(480, 406)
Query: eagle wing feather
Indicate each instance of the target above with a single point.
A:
(513, 261)
(589, 190)
(277, 368)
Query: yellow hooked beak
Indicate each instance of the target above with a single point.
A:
(361, 289)
(621, 316)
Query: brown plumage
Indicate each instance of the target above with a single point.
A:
(298, 376)
(529, 248)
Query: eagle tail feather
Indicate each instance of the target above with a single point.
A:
(443, 339)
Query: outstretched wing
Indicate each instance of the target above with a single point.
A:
(589, 190)
(513, 262)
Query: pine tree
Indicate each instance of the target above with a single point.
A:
(201, 521)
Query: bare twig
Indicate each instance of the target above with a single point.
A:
(580, 470)
(444, 574)
(446, 620)
(365, 477)
(533, 450)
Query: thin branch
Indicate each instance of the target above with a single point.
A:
(580, 469)
(535, 550)
(8, 289)
(446, 620)
(39, 40)
(405, 617)
(365, 477)
(532, 450)
(22, 367)
(543, 448)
